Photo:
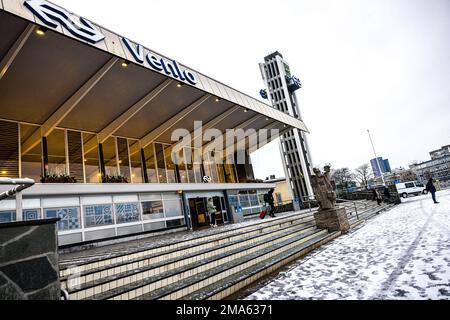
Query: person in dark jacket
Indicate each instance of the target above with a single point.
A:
(431, 189)
(271, 202)
(376, 196)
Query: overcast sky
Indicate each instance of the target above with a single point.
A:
(382, 65)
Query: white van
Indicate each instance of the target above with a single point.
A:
(405, 189)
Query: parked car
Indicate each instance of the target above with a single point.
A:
(406, 189)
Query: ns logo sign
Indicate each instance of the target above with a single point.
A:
(51, 15)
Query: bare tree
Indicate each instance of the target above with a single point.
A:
(363, 174)
(408, 175)
(342, 177)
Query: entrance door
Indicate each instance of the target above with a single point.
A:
(221, 213)
(199, 214)
(199, 217)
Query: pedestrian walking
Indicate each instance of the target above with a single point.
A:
(431, 189)
(268, 199)
(212, 213)
(376, 196)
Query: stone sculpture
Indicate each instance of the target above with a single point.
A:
(323, 188)
(328, 216)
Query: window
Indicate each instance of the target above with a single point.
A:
(124, 159)
(233, 200)
(161, 163)
(171, 169)
(279, 198)
(187, 156)
(7, 216)
(56, 146)
(135, 157)
(31, 160)
(152, 210)
(34, 214)
(98, 215)
(9, 149)
(70, 217)
(409, 185)
(221, 173)
(91, 158)
(127, 212)
(150, 164)
(75, 151)
(244, 199)
(254, 201)
(420, 185)
(110, 158)
(173, 208)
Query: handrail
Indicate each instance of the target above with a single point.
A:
(22, 185)
(64, 294)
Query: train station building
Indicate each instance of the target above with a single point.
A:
(96, 119)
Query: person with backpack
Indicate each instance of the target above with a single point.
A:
(269, 200)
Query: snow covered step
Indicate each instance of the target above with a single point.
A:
(182, 258)
(211, 276)
(368, 213)
(165, 277)
(232, 284)
(92, 264)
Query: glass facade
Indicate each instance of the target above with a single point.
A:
(77, 154)
(23, 153)
(93, 217)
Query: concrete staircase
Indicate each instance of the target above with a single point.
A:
(211, 266)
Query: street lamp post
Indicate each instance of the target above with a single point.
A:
(376, 158)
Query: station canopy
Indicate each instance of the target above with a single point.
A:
(52, 77)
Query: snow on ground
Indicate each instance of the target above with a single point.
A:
(403, 253)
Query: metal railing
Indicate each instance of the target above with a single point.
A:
(351, 202)
(309, 202)
(22, 184)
